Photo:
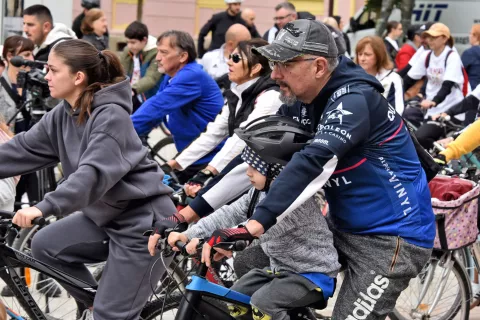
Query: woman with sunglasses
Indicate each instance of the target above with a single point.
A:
(254, 94)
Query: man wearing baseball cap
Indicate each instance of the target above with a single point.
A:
(363, 157)
(421, 49)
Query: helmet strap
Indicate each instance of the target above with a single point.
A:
(269, 180)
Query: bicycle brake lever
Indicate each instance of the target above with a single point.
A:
(232, 246)
(148, 233)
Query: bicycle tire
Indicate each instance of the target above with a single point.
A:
(155, 151)
(157, 308)
(461, 299)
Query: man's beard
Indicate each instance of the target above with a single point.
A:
(288, 100)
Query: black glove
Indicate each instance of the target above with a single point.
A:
(230, 235)
(177, 222)
(201, 178)
(166, 168)
(440, 159)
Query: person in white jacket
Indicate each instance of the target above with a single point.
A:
(254, 94)
(371, 55)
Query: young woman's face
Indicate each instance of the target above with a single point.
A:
(100, 26)
(256, 178)
(397, 32)
(367, 59)
(60, 80)
(436, 43)
(237, 68)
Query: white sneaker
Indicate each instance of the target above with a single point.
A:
(87, 315)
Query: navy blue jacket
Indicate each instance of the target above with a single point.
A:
(364, 158)
(471, 62)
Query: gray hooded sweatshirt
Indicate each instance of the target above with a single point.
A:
(105, 165)
(301, 242)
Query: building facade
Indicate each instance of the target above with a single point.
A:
(191, 15)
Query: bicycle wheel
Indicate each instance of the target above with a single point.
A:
(453, 303)
(50, 296)
(161, 308)
(164, 150)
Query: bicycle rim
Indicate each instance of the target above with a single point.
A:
(49, 295)
(454, 303)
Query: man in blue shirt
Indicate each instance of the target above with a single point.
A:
(188, 98)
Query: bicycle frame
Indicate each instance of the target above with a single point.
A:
(200, 287)
(11, 259)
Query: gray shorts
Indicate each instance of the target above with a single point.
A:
(275, 293)
(377, 269)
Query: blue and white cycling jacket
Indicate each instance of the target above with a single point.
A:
(364, 158)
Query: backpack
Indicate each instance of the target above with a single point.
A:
(465, 75)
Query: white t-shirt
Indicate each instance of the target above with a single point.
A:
(437, 74)
(215, 63)
(420, 51)
(136, 75)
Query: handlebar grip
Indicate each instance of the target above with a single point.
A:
(7, 214)
(39, 221)
(182, 246)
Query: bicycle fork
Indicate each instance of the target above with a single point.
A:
(446, 262)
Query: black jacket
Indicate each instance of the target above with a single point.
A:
(42, 54)
(218, 25)
(392, 52)
(101, 43)
(77, 24)
(236, 117)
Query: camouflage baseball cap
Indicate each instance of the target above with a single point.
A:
(300, 37)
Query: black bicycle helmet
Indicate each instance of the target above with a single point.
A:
(275, 138)
(90, 4)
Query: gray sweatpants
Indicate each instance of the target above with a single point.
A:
(75, 240)
(377, 270)
(275, 293)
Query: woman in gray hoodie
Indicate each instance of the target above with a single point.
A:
(108, 177)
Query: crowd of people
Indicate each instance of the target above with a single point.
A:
(298, 110)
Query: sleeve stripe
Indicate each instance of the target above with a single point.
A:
(312, 187)
(351, 167)
(393, 135)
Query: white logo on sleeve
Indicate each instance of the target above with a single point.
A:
(338, 113)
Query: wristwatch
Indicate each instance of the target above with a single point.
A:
(207, 172)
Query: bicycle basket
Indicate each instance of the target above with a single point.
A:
(456, 219)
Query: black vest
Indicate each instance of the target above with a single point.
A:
(235, 118)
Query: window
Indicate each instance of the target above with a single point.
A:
(315, 7)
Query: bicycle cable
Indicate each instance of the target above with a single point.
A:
(183, 295)
(177, 286)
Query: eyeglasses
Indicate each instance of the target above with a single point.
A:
(235, 57)
(281, 18)
(286, 64)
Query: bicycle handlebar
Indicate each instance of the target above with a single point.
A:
(39, 221)
(238, 245)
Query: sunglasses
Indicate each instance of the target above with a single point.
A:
(235, 57)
